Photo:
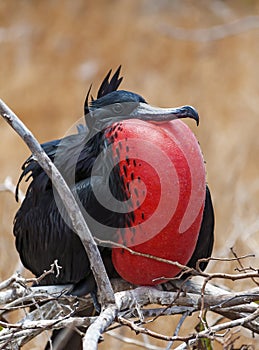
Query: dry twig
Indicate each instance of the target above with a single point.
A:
(8, 186)
(218, 32)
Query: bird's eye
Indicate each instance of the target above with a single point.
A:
(117, 108)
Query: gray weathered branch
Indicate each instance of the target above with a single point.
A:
(57, 310)
(217, 32)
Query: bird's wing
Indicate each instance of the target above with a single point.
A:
(205, 240)
(44, 233)
(43, 236)
(76, 161)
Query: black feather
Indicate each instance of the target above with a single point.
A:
(105, 88)
(109, 86)
(86, 110)
(205, 240)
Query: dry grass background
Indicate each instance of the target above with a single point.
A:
(50, 51)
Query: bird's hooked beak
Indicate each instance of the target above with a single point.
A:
(162, 115)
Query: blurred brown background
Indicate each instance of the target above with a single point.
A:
(50, 52)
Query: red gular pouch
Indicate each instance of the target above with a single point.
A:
(162, 170)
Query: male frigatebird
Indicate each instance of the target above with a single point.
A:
(138, 174)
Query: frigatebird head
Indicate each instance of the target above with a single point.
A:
(120, 105)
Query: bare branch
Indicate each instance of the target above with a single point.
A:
(96, 329)
(57, 309)
(185, 268)
(218, 32)
(209, 333)
(8, 186)
(134, 342)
